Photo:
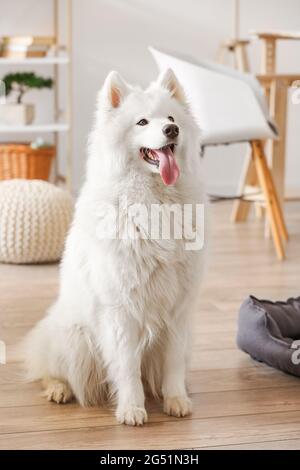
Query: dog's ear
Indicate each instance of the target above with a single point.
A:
(168, 80)
(115, 89)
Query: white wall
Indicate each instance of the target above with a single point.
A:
(114, 34)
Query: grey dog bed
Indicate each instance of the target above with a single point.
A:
(269, 332)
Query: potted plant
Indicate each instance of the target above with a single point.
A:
(19, 113)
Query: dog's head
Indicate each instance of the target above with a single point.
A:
(146, 129)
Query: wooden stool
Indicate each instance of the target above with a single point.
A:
(276, 89)
(238, 49)
(269, 42)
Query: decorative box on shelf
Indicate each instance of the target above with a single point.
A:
(26, 46)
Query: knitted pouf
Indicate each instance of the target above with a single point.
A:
(34, 220)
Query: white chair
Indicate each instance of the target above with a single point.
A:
(230, 107)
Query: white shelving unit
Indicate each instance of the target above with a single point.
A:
(31, 128)
(62, 56)
(36, 60)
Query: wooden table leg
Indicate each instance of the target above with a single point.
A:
(276, 148)
(241, 58)
(278, 110)
(268, 63)
(241, 208)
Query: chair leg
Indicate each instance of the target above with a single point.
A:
(240, 209)
(277, 207)
(269, 190)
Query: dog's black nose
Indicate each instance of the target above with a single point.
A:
(171, 131)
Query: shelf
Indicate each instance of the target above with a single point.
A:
(52, 127)
(60, 60)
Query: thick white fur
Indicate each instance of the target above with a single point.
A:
(121, 320)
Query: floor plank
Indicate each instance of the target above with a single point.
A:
(172, 434)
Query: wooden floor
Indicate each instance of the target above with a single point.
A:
(238, 403)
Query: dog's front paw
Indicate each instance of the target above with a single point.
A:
(132, 415)
(177, 406)
(57, 391)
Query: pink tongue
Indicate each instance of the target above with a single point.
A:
(168, 168)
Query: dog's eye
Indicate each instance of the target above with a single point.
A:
(171, 118)
(142, 122)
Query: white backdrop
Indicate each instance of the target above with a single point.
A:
(114, 34)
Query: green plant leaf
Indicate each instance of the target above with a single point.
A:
(21, 82)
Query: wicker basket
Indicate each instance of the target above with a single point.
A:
(19, 160)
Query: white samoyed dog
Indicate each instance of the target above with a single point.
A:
(120, 324)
